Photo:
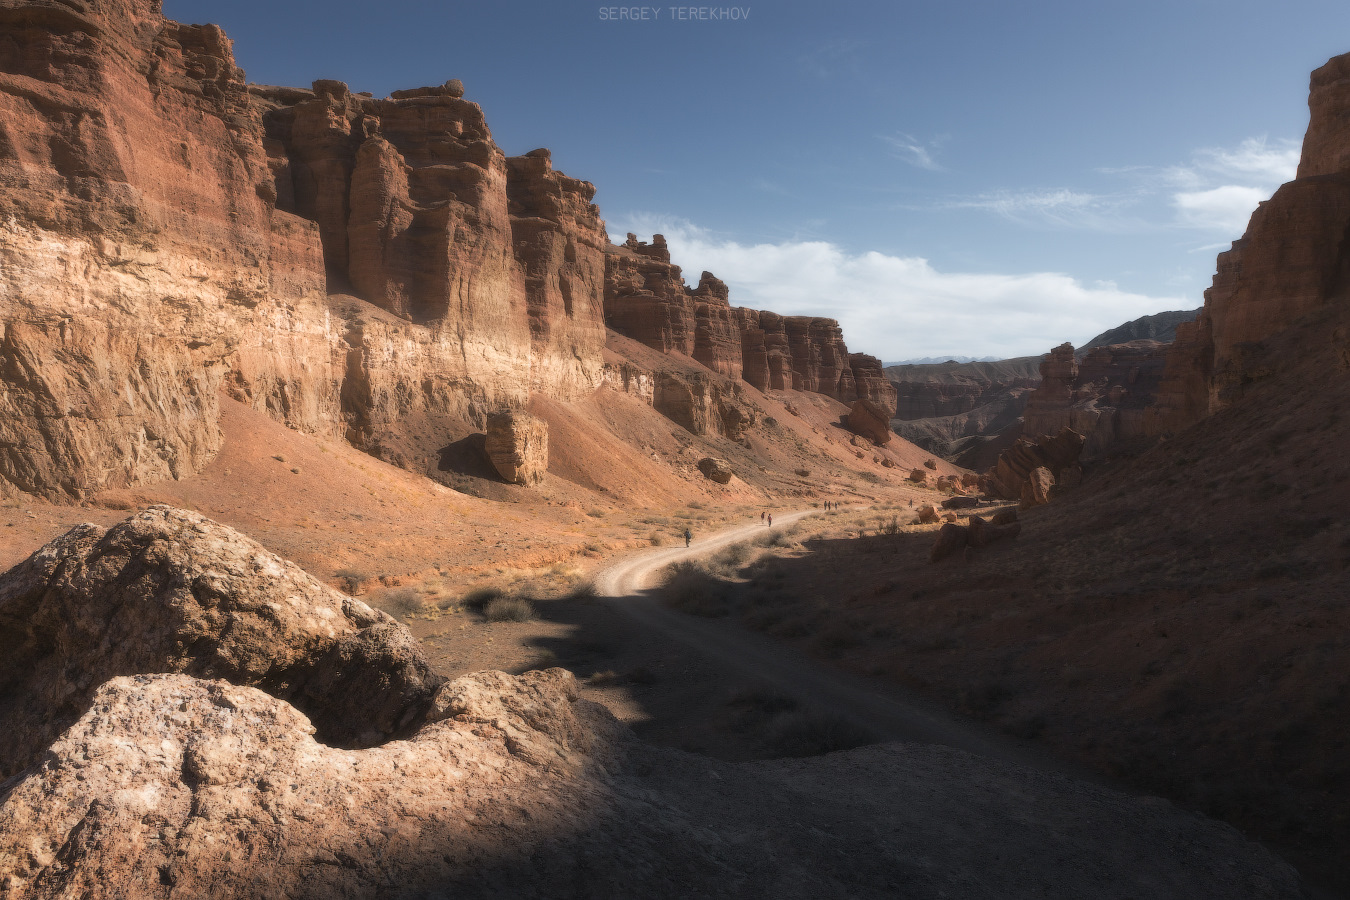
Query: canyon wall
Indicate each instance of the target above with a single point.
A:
(342, 262)
(374, 269)
(646, 299)
(1292, 261)
(1105, 397)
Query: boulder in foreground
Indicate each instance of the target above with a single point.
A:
(171, 591)
(173, 785)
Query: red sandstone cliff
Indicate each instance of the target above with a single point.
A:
(170, 231)
(1292, 261)
(646, 299)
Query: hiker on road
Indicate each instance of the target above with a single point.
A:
(688, 536)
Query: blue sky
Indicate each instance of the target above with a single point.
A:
(944, 178)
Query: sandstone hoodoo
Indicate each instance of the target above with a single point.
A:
(517, 446)
(715, 469)
(871, 420)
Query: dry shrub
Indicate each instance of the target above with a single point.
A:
(509, 609)
(691, 588)
(401, 602)
(734, 556)
(584, 591)
(479, 598)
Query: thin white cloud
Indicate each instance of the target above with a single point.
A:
(914, 151)
(1221, 209)
(901, 307)
(1215, 193)
(834, 56)
(1058, 207)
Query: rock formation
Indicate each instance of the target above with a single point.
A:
(703, 404)
(869, 419)
(646, 299)
(517, 446)
(1036, 488)
(1104, 396)
(965, 412)
(1160, 327)
(374, 269)
(1290, 262)
(171, 231)
(170, 784)
(1015, 466)
(171, 591)
(715, 469)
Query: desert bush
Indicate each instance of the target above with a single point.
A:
(891, 527)
(656, 539)
(509, 609)
(802, 473)
(403, 602)
(596, 513)
(584, 591)
(693, 589)
(735, 555)
(479, 598)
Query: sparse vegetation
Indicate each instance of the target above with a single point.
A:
(478, 599)
(509, 609)
(401, 602)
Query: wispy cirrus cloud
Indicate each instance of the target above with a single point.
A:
(1219, 190)
(897, 306)
(1215, 193)
(834, 57)
(914, 151)
(1055, 207)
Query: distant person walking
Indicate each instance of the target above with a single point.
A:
(770, 520)
(688, 536)
(761, 517)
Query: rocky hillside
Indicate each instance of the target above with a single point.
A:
(1161, 327)
(181, 763)
(372, 269)
(964, 412)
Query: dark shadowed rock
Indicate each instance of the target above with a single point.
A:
(951, 538)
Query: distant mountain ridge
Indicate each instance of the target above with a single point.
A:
(938, 360)
(1161, 327)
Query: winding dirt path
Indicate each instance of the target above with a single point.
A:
(889, 712)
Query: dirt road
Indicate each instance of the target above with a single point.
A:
(888, 712)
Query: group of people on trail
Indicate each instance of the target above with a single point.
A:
(766, 516)
(831, 505)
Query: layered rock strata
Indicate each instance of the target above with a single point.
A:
(1105, 396)
(646, 299)
(171, 231)
(1054, 454)
(1291, 261)
(517, 446)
